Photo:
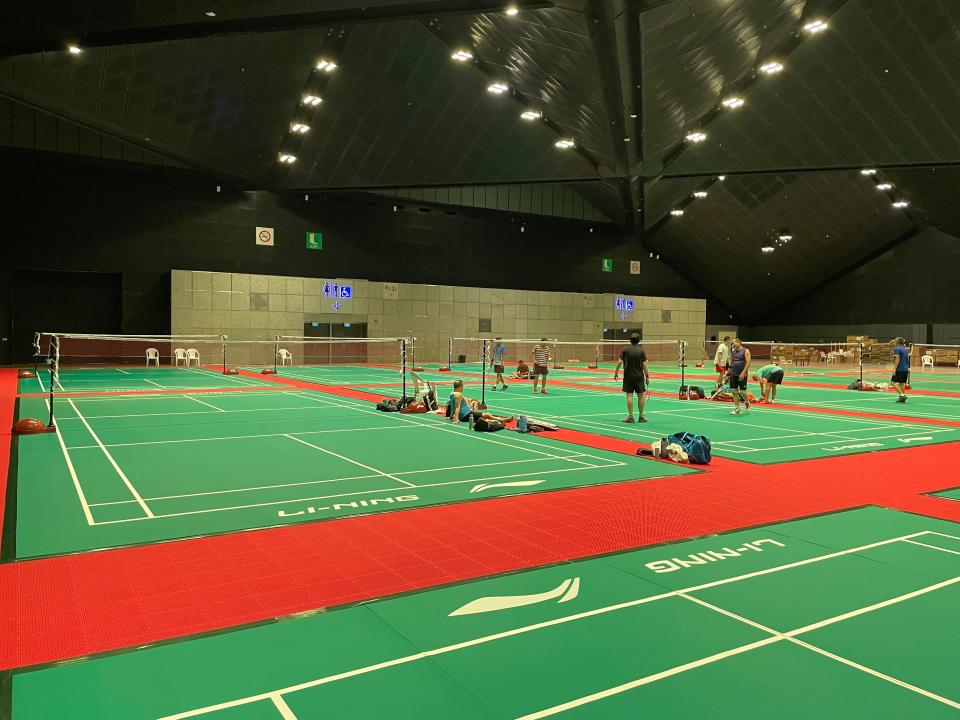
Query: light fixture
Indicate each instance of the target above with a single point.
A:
(565, 143)
(531, 115)
(901, 204)
(327, 66)
(462, 56)
(816, 26)
(74, 49)
(785, 236)
(884, 186)
(700, 193)
(733, 102)
(210, 13)
(312, 100)
(287, 158)
(676, 212)
(512, 10)
(771, 68)
(868, 171)
(299, 127)
(721, 178)
(767, 248)
(633, 116)
(497, 88)
(696, 136)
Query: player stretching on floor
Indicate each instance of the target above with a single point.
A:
(636, 376)
(770, 377)
(739, 365)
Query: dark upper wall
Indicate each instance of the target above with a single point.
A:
(144, 221)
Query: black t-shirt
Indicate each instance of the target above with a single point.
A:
(633, 358)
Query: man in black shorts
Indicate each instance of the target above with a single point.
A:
(636, 376)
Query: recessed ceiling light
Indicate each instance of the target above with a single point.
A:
(768, 248)
(696, 136)
(327, 66)
(733, 102)
(210, 13)
(771, 68)
(462, 56)
(816, 26)
(884, 186)
(565, 143)
(287, 158)
(633, 116)
(312, 100)
(868, 171)
(700, 194)
(497, 88)
(512, 10)
(299, 128)
(785, 236)
(721, 178)
(676, 212)
(74, 49)
(531, 114)
(901, 204)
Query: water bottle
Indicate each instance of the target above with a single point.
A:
(522, 424)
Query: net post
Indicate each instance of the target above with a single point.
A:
(450, 352)
(276, 354)
(54, 363)
(596, 354)
(403, 367)
(683, 362)
(36, 354)
(223, 352)
(861, 366)
(483, 360)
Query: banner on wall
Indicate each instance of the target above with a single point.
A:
(264, 236)
(390, 291)
(634, 267)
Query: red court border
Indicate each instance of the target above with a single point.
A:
(76, 605)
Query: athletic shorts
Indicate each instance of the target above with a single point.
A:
(498, 369)
(738, 383)
(900, 377)
(776, 378)
(633, 385)
(720, 369)
(540, 370)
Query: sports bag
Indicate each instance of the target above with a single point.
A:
(387, 405)
(414, 408)
(697, 447)
(481, 424)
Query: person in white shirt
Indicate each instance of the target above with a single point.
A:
(721, 360)
(541, 358)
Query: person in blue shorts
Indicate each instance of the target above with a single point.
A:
(901, 373)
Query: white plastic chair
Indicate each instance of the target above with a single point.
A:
(286, 358)
(179, 355)
(193, 354)
(153, 356)
(422, 388)
(926, 361)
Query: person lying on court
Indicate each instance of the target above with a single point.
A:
(460, 407)
(769, 377)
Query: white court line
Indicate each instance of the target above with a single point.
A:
(73, 474)
(571, 618)
(199, 412)
(123, 371)
(864, 439)
(126, 480)
(285, 712)
(191, 397)
(354, 462)
(933, 547)
(162, 387)
(40, 380)
(319, 482)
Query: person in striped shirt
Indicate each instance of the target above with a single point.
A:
(541, 359)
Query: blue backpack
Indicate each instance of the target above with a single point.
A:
(697, 447)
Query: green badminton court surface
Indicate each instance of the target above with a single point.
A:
(142, 468)
(853, 615)
(114, 379)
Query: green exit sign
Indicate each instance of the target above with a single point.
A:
(606, 264)
(314, 241)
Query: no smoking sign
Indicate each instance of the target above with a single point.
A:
(264, 236)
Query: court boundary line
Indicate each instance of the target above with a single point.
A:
(579, 616)
(73, 474)
(349, 460)
(133, 491)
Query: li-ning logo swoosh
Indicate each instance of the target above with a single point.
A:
(564, 592)
(519, 483)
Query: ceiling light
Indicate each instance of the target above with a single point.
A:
(771, 68)
(462, 56)
(531, 114)
(721, 178)
(868, 171)
(700, 194)
(497, 88)
(312, 100)
(676, 212)
(884, 186)
(299, 128)
(696, 136)
(901, 204)
(633, 115)
(768, 248)
(733, 102)
(210, 13)
(815, 26)
(512, 10)
(564, 144)
(785, 236)
(287, 158)
(327, 66)
(74, 50)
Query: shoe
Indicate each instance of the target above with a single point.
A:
(642, 419)
(504, 387)
(493, 389)
(628, 419)
(543, 392)
(734, 412)
(747, 408)
(902, 399)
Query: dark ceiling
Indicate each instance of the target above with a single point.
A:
(626, 79)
